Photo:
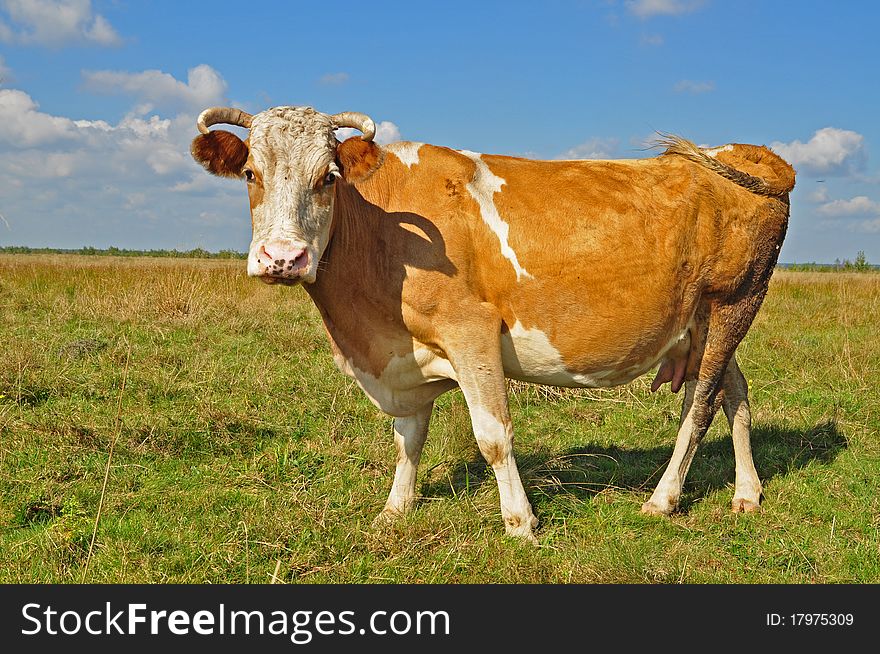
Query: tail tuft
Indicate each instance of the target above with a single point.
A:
(754, 167)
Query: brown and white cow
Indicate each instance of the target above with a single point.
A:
(434, 268)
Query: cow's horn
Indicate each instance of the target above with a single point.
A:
(226, 115)
(357, 120)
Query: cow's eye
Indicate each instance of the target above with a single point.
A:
(249, 175)
(329, 178)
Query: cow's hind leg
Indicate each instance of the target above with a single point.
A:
(410, 433)
(697, 412)
(727, 325)
(747, 491)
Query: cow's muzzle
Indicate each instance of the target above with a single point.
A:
(281, 262)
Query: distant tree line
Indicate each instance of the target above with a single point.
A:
(197, 253)
(860, 264)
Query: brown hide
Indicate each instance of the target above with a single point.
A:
(621, 253)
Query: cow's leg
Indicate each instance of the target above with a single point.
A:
(726, 326)
(493, 430)
(410, 433)
(477, 362)
(747, 492)
(697, 412)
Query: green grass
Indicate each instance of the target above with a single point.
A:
(239, 445)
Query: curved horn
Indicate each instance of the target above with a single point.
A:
(226, 115)
(357, 120)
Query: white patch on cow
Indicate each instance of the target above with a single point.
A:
(406, 384)
(406, 151)
(713, 152)
(528, 355)
(486, 425)
(431, 367)
(483, 189)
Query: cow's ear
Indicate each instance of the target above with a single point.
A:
(358, 159)
(220, 152)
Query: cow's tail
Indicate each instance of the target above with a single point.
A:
(753, 167)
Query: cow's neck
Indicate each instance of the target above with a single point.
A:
(353, 254)
(358, 286)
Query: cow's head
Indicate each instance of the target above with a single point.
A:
(289, 162)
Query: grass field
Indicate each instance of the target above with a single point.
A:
(220, 472)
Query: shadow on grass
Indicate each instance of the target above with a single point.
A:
(216, 437)
(585, 471)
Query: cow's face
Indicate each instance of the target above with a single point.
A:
(289, 165)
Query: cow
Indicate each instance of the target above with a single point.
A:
(434, 268)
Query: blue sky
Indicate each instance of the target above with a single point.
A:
(98, 99)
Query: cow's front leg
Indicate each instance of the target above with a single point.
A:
(410, 433)
(481, 378)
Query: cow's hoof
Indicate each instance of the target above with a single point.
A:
(653, 508)
(524, 534)
(387, 518)
(521, 528)
(742, 505)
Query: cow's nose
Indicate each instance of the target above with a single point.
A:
(283, 259)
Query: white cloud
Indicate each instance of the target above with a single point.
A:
(204, 87)
(68, 183)
(22, 125)
(102, 32)
(56, 146)
(4, 70)
(35, 164)
(648, 142)
(858, 215)
(595, 148)
(55, 23)
(652, 39)
(869, 226)
(860, 205)
(197, 182)
(66, 144)
(830, 151)
(333, 79)
(648, 8)
(135, 200)
(694, 88)
(819, 195)
(386, 132)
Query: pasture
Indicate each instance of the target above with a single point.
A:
(238, 447)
